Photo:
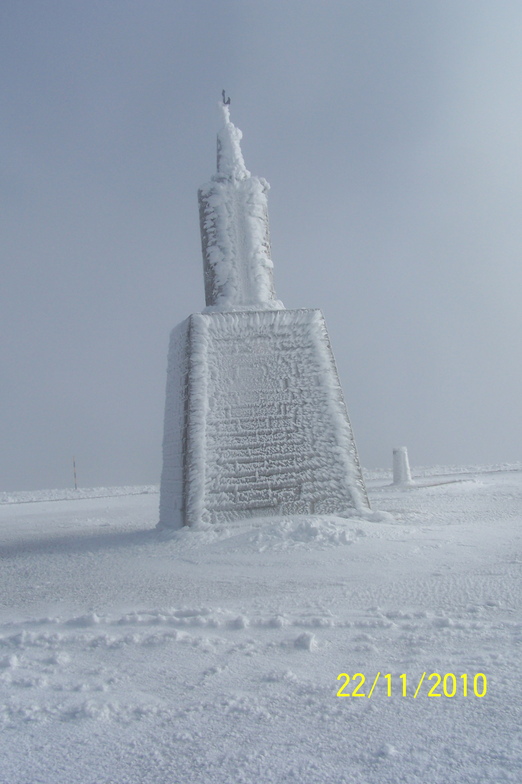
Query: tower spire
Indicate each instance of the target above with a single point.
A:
(230, 161)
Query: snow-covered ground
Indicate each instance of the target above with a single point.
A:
(212, 655)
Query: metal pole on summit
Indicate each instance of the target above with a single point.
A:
(226, 100)
(74, 472)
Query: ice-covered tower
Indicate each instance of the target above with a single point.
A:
(255, 420)
(233, 211)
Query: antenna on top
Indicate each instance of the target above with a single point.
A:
(226, 100)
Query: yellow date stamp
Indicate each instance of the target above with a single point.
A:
(435, 685)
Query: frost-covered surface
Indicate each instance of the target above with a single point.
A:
(255, 421)
(212, 654)
(401, 467)
(174, 429)
(230, 161)
(234, 231)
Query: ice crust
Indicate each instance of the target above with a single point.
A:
(230, 161)
(255, 421)
(234, 231)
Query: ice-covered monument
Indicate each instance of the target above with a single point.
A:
(255, 420)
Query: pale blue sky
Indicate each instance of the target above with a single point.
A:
(390, 132)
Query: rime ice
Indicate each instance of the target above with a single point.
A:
(255, 420)
(401, 467)
(233, 212)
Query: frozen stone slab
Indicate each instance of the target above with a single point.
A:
(255, 421)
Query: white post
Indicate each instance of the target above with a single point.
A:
(401, 467)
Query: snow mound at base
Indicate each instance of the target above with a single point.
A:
(300, 532)
(304, 532)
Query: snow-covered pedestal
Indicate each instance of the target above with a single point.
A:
(255, 421)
